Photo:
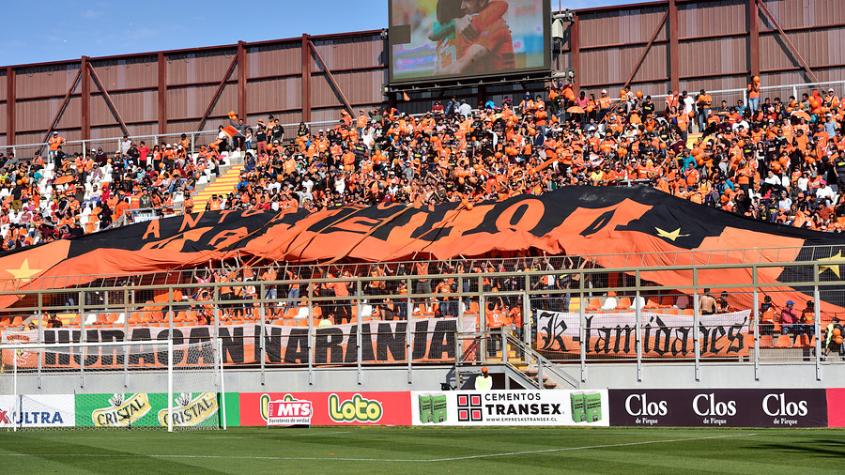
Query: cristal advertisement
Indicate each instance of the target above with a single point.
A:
(150, 410)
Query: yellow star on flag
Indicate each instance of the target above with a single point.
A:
(670, 236)
(832, 267)
(24, 272)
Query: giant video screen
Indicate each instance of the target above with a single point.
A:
(442, 39)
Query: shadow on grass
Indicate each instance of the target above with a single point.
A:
(827, 448)
(39, 453)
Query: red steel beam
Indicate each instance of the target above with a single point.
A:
(241, 55)
(114, 112)
(280, 41)
(331, 79)
(304, 50)
(647, 49)
(61, 111)
(788, 42)
(85, 98)
(674, 53)
(575, 51)
(162, 94)
(753, 37)
(11, 93)
(218, 92)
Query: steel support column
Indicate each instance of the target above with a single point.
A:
(756, 320)
(242, 112)
(331, 79)
(106, 97)
(305, 82)
(61, 111)
(753, 37)
(696, 318)
(218, 92)
(85, 98)
(162, 94)
(674, 53)
(639, 62)
(789, 44)
(11, 99)
(575, 52)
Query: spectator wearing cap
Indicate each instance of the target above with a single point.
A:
(483, 381)
(790, 322)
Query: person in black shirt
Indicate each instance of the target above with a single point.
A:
(261, 136)
(277, 131)
(648, 106)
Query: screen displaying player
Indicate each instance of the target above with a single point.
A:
(466, 38)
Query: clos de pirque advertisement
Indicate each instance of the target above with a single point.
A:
(719, 407)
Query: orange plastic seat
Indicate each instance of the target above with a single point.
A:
(623, 303)
(784, 341)
(594, 304)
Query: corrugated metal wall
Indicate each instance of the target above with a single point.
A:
(714, 52)
(273, 86)
(713, 44)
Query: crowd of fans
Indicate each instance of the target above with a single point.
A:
(56, 195)
(780, 161)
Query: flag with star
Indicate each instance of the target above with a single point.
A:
(615, 227)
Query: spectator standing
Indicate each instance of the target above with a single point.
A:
(707, 304)
(483, 381)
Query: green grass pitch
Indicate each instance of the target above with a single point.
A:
(475, 451)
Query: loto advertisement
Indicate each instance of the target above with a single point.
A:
(325, 409)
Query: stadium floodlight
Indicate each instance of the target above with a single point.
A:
(173, 385)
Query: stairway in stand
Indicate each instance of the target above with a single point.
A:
(223, 185)
(521, 364)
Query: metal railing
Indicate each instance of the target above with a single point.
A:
(205, 137)
(378, 305)
(498, 264)
(112, 144)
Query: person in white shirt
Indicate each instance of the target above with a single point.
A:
(772, 179)
(825, 192)
(484, 382)
(802, 183)
(687, 101)
(785, 203)
(637, 302)
(465, 109)
(610, 303)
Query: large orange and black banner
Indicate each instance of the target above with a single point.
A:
(610, 223)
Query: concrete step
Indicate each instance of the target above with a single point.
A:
(787, 354)
(224, 184)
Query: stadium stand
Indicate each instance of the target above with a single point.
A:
(775, 160)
